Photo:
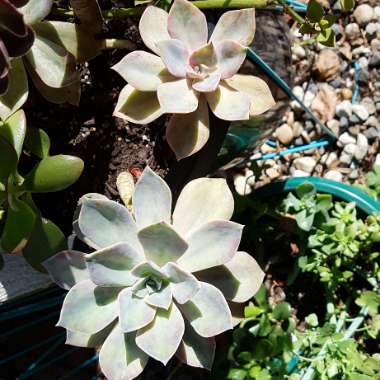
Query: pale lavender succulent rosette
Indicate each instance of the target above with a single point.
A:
(159, 283)
(190, 74)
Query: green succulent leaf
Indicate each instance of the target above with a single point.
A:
(347, 5)
(13, 130)
(18, 226)
(38, 142)
(326, 37)
(314, 11)
(17, 92)
(282, 311)
(53, 173)
(8, 163)
(46, 239)
(36, 10)
(371, 300)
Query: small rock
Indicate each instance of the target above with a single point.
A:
(346, 94)
(377, 12)
(344, 109)
(334, 175)
(345, 158)
(299, 51)
(361, 147)
(377, 160)
(363, 62)
(241, 185)
(373, 121)
(334, 125)
(371, 133)
(272, 173)
(354, 174)
(324, 104)
(375, 44)
(337, 82)
(327, 64)
(343, 122)
(300, 173)
(360, 111)
(353, 119)
(352, 31)
(306, 164)
(369, 105)
(350, 149)
(345, 139)
(354, 130)
(361, 50)
(331, 159)
(297, 129)
(284, 134)
(363, 77)
(371, 29)
(363, 14)
(374, 61)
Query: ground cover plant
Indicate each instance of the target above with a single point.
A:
(148, 280)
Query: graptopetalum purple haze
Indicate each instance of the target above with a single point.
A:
(158, 284)
(189, 72)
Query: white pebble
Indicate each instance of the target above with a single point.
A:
(334, 175)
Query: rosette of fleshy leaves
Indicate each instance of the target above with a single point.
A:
(190, 74)
(16, 37)
(49, 60)
(159, 284)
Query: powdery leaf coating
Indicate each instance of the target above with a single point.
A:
(135, 296)
(197, 67)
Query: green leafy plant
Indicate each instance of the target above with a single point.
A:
(49, 59)
(372, 185)
(16, 38)
(157, 284)
(191, 74)
(263, 342)
(21, 224)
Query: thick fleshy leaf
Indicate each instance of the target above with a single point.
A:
(161, 298)
(239, 279)
(73, 37)
(177, 97)
(57, 95)
(188, 133)
(237, 26)
(148, 269)
(120, 358)
(17, 92)
(134, 312)
(53, 173)
(188, 24)
(207, 84)
(11, 19)
(231, 56)
(152, 199)
(204, 58)
(111, 266)
(259, 92)
(88, 308)
(79, 339)
(142, 70)
(201, 201)
(161, 338)
(36, 10)
(208, 311)
(229, 104)
(184, 285)
(103, 223)
(153, 27)
(9, 161)
(67, 268)
(45, 53)
(195, 350)
(161, 243)
(175, 56)
(213, 244)
(14, 130)
(138, 107)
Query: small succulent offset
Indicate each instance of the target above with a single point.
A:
(159, 284)
(191, 73)
(16, 37)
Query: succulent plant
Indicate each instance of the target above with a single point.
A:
(158, 284)
(49, 60)
(22, 227)
(16, 38)
(190, 73)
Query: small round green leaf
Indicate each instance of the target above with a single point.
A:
(8, 162)
(282, 311)
(53, 173)
(38, 142)
(14, 129)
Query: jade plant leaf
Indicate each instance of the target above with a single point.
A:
(37, 141)
(140, 275)
(53, 173)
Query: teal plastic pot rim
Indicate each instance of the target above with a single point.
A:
(339, 190)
